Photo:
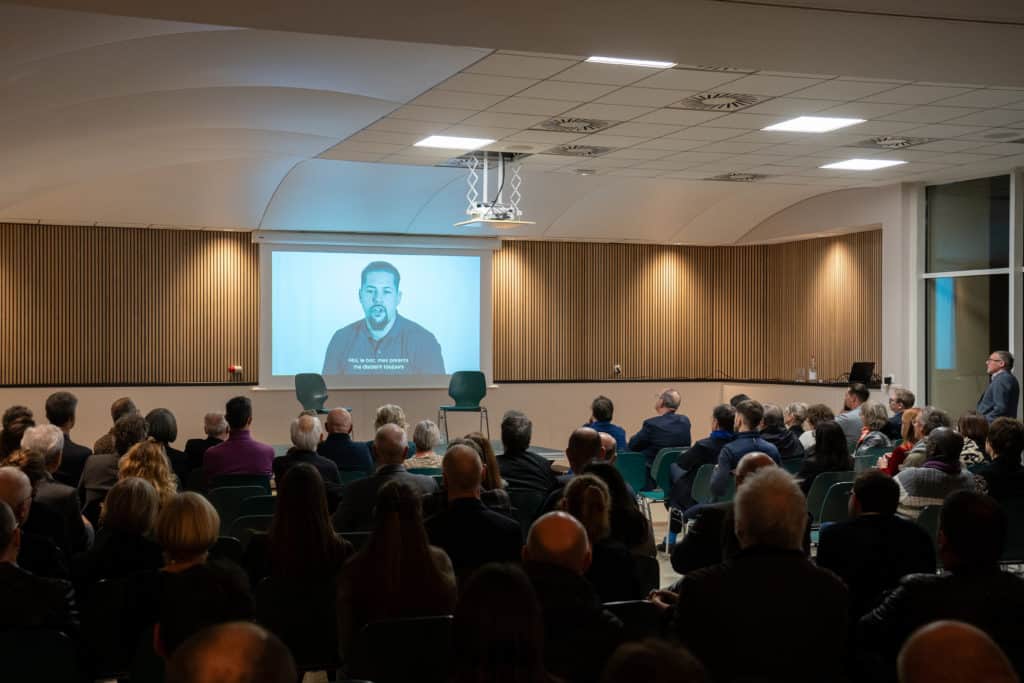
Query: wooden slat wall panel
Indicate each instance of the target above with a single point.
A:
(82, 305)
(570, 311)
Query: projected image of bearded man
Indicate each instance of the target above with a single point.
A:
(383, 342)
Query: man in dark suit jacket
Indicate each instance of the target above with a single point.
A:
(747, 440)
(306, 432)
(43, 541)
(738, 616)
(584, 448)
(774, 431)
(356, 510)
(520, 468)
(216, 429)
(1003, 391)
(118, 409)
(46, 443)
(704, 452)
(60, 411)
(466, 529)
(100, 473)
(875, 549)
(667, 430)
(338, 447)
(30, 601)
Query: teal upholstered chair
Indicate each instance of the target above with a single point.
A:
(467, 388)
(311, 390)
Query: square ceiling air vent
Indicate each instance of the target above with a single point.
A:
(578, 150)
(719, 101)
(573, 124)
(738, 177)
(893, 142)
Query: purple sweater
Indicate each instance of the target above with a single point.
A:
(239, 454)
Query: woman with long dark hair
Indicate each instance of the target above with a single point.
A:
(628, 524)
(830, 454)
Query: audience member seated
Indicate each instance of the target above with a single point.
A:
(355, 513)
(425, 437)
(875, 419)
(1004, 476)
(931, 418)
(579, 634)
(301, 544)
(60, 412)
(900, 400)
(498, 629)
(123, 545)
(30, 601)
(233, 652)
(849, 418)
(775, 432)
(705, 452)
(941, 474)
(816, 414)
(601, 412)
(521, 468)
(829, 454)
(765, 597)
(397, 574)
(874, 549)
(972, 532)
(738, 399)
(748, 440)
(609, 449)
(711, 538)
(466, 529)
(653, 661)
(146, 460)
(306, 434)
(611, 568)
(584, 448)
(629, 525)
(974, 428)
(952, 652)
(16, 420)
(339, 448)
(163, 429)
(101, 469)
(47, 442)
(389, 414)
(668, 429)
(118, 409)
(892, 462)
(494, 494)
(38, 553)
(186, 528)
(216, 429)
(793, 415)
(240, 453)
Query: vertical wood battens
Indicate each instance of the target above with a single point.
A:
(83, 305)
(570, 311)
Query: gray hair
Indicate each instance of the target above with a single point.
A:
(874, 415)
(797, 410)
(770, 510)
(389, 413)
(516, 430)
(426, 436)
(214, 424)
(1006, 357)
(773, 416)
(932, 418)
(44, 440)
(670, 398)
(306, 431)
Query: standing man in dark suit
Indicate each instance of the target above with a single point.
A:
(667, 430)
(1003, 391)
(60, 411)
(216, 429)
(521, 468)
(348, 455)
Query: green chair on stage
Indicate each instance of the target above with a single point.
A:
(467, 388)
(311, 390)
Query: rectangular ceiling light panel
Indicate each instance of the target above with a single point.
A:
(813, 124)
(863, 164)
(650, 64)
(452, 142)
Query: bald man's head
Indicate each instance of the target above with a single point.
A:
(390, 445)
(16, 491)
(750, 463)
(339, 421)
(584, 447)
(463, 472)
(950, 652)
(608, 447)
(558, 538)
(235, 652)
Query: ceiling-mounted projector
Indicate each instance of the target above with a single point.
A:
(494, 212)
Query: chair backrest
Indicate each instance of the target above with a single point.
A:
(426, 471)
(227, 548)
(261, 480)
(701, 489)
(196, 481)
(836, 506)
(467, 388)
(243, 527)
(633, 467)
(863, 463)
(1013, 552)
(426, 644)
(349, 476)
(647, 572)
(302, 614)
(528, 502)
(792, 465)
(929, 520)
(641, 618)
(258, 505)
(228, 502)
(822, 483)
(310, 390)
(662, 466)
(39, 655)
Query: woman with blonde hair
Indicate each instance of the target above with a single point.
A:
(611, 570)
(186, 529)
(147, 460)
(123, 546)
(389, 413)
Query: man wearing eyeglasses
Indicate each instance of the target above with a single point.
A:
(1003, 391)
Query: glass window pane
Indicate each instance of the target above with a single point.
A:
(968, 225)
(967, 319)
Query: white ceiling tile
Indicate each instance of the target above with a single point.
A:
(479, 131)
(366, 147)
(505, 146)
(964, 158)
(491, 85)
(731, 147)
(770, 169)
(699, 157)
(643, 97)
(883, 127)
(790, 106)
(664, 165)
(843, 90)
(407, 160)
(949, 146)
(795, 149)
(560, 90)
(420, 128)
(942, 130)
(1002, 149)
(705, 133)
(635, 153)
(350, 155)
(689, 79)
(912, 155)
(862, 110)
(456, 100)
(669, 143)
(635, 173)
(433, 114)
(895, 81)
(547, 160)
(609, 112)
(678, 117)
(993, 135)
(608, 74)
(756, 159)
(543, 137)
(609, 139)
(916, 94)
(748, 121)
(928, 114)
(769, 137)
(770, 85)
(991, 117)
(368, 135)
(985, 98)
(645, 130)
(501, 120)
(533, 105)
(520, 66)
